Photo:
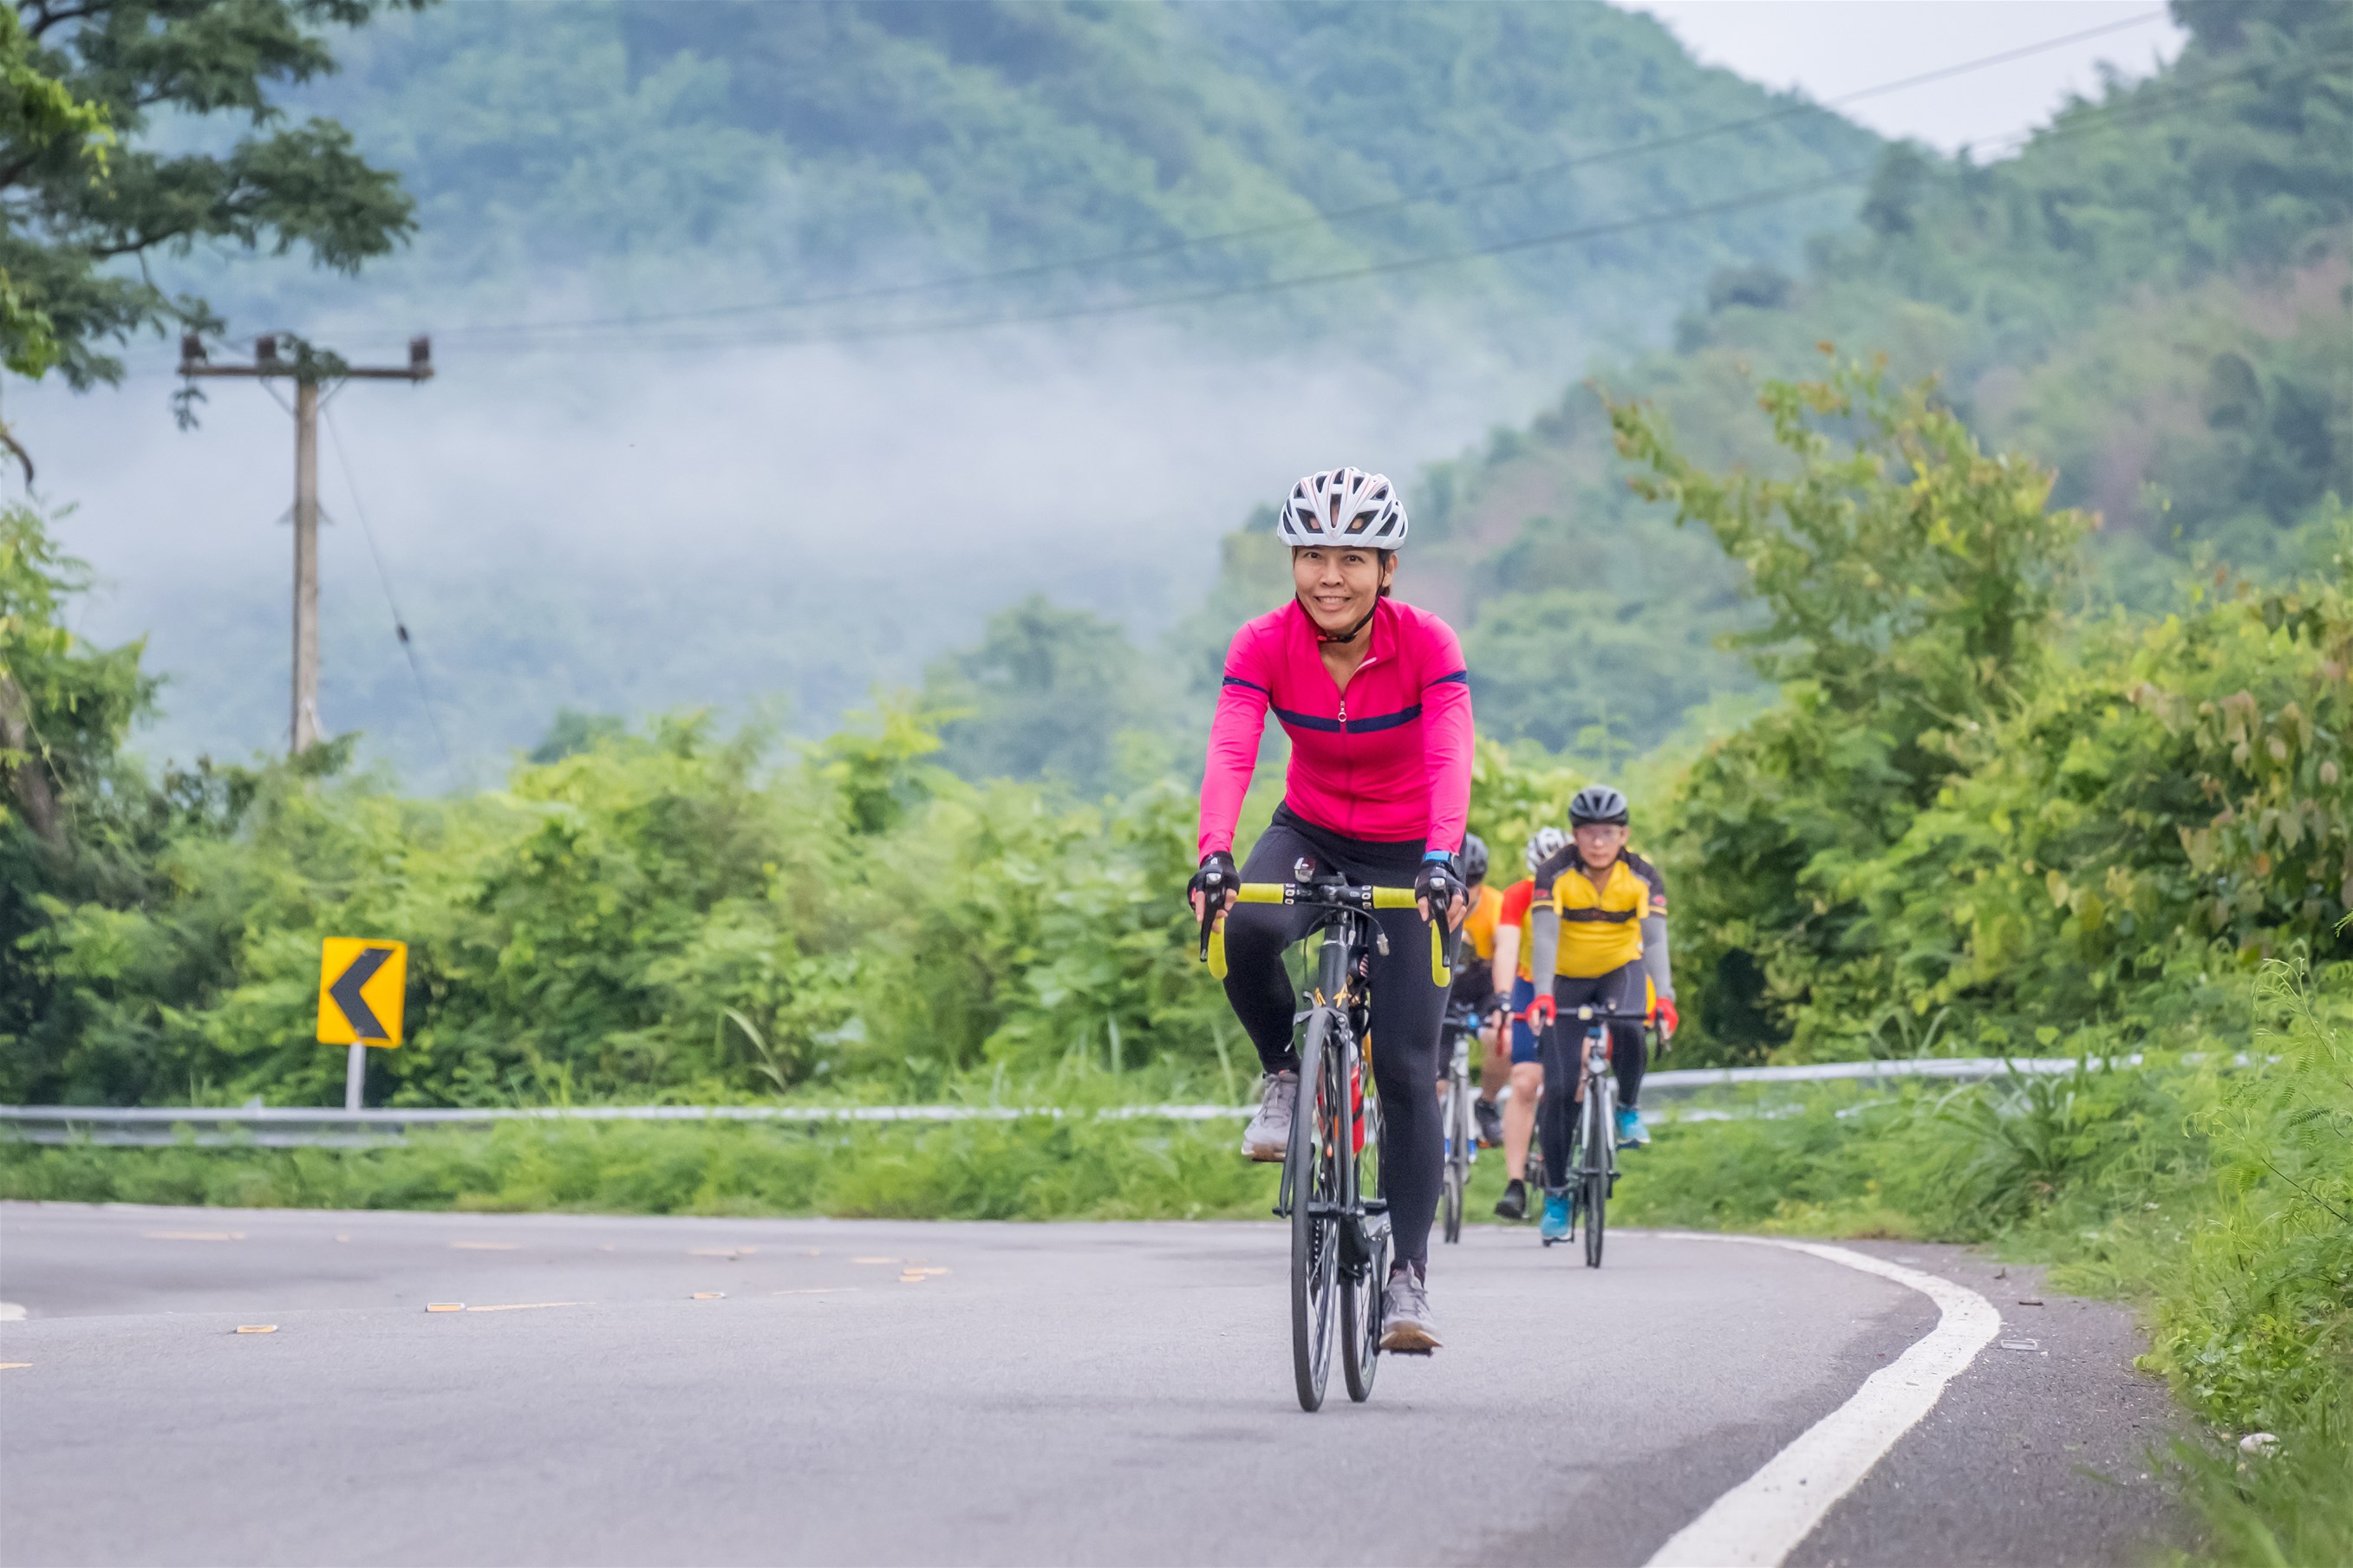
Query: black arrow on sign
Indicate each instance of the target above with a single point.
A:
(346, 993)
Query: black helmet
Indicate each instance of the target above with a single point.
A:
(1596, 802)
(1474, 857)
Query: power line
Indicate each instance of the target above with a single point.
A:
(2088, 120)
(2167, 98)
(1326, 218)
(944, 326)
(383, 581)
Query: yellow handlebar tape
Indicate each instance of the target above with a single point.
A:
(1383, 899)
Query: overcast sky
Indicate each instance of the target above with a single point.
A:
(1832, 48)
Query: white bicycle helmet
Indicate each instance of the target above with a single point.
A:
(1342, 506)
(1548, 843)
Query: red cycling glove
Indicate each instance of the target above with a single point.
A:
(1542, 1010)
(1664, 1010)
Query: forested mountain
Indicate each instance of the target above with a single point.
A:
(655, 157)
(2154, 296)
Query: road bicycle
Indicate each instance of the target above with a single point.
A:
(1456, 1119)
(1331, 1190)
(1593, 1155)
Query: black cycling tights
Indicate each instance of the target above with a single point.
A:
(1407, 1005)
(1556, 1114)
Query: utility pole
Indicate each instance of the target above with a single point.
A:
(308, 369)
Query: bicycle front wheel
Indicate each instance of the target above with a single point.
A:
(1319, 1132)
(1599, 1130)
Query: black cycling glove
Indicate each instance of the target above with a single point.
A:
(1216, 863)
(1441, 884)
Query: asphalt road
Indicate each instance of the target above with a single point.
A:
(638, 1390)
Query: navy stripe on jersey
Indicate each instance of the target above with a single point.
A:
(1308, 720)
(1353, 726)
(1384, 721)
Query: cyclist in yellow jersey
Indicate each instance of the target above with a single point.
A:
(1598, 921)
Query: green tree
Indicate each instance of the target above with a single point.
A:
(65, 707)
(1910, 588)
(1048, 693)
(75, 230)
(2171, 808)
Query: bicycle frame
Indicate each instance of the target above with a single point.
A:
(1341, 996)
(1597, 1091)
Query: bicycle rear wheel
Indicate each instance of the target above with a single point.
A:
(1362, 1302)
(1598, 1133)
(1319, 1132)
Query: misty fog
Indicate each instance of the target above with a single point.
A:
(632, 531)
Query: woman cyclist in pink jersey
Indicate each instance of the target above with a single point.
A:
(1376, 699)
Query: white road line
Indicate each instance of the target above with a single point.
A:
(1761, 1520)
(10, 1312)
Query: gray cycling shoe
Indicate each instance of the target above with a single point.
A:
(1268, 1136)
(1409, 1329)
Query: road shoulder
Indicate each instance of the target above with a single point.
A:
(2046, 1449)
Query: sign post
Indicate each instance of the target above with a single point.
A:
(362, 993)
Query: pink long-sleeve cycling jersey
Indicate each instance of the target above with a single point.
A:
(1387, 760)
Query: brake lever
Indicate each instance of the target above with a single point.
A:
(1213, 898)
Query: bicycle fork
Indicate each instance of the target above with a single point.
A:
(1363, 1224)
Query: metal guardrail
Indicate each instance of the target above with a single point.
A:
(279, 1126)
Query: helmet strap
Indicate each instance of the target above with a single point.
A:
(1351, 633)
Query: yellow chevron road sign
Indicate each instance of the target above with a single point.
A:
(362, 984)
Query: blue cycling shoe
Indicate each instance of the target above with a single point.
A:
(1557, 1216)
(1631, 1133)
